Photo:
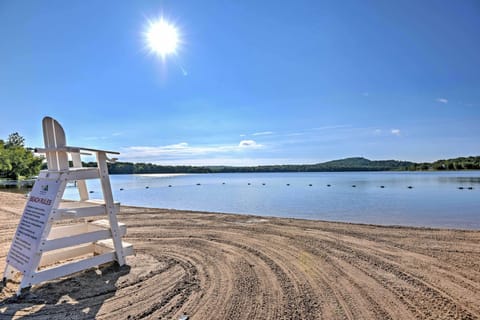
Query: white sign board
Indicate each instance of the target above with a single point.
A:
(32, 224)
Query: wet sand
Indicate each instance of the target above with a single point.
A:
(223, 266)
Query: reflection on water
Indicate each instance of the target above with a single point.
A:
(460, 180)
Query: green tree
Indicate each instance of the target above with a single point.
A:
(15, 160)
(4, 159)
(15, 140)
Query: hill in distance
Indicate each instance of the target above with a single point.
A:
(348, 164)
(363, 164)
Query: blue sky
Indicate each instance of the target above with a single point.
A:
(265, 82)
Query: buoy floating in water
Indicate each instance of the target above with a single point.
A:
(198, 184)
(409, 187)
(354, 186)
(310, 185)
(169, 185)
(223, 182)
(329, 185)
(382, 187)
(288, 184)
(263, 184)
(147, 187)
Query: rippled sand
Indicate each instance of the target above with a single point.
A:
(219, 266)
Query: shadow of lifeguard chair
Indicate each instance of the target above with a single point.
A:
(41, 251)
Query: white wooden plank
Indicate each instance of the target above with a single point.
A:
(68, 230)
(82, 228)
(81, 209)
(81, 185)
(66, 253)
(82, 173)
(103, 151)
(78, 239)
(112, 216)
(71, 149)
(74, 240)
(54, 149)
(69, 268)
(103, 224)
(60, 214)
(105, 246)
(60, 141)
(76, 173)
(52, 175)
(49, 140)
(66, 204)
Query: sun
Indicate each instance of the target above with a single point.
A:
(162, 38)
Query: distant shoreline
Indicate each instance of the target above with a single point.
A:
(357, 164)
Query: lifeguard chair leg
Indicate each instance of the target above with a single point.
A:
(81, 185)
(112, 215)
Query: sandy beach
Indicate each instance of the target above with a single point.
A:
(223, 266)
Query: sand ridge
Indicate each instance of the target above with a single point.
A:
(222, 266)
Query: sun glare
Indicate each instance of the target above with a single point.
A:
(162, 37)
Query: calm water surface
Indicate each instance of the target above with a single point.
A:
(434, 200)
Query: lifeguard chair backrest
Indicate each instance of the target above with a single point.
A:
(54, 137)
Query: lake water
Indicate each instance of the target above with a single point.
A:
(434, 199)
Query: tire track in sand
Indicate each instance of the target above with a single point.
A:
(216, 266)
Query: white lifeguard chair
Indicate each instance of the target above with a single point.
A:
(41, 251)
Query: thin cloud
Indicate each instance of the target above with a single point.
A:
(395, 132)
(233, 161)
(183, 149)
(310, 131)
(442, 100)
(341, 126)
(264, 133)
(294, 134)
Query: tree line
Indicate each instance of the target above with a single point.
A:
(349, 164)
(461, 163)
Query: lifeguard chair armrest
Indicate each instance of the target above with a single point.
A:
(72, 149)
